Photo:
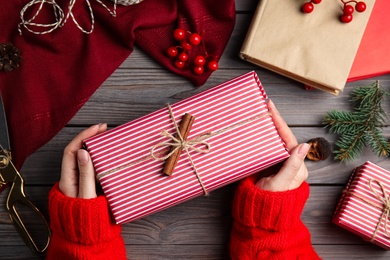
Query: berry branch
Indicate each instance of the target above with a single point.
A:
(186, 45)
(348, 9)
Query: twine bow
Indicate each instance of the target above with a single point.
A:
(60, 18)
(180, 143)
(385, 207)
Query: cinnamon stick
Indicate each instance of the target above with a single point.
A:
(184, 128)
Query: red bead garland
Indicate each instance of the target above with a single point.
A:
(360, 7)
(172, 51)
(308, 7)
(346, 18)
(187, 42)
(179, 34)
(199, 60)
(348, 10)
(182, 56)
(179, 64)
(198, 70)
(195, 39)
(212, 65)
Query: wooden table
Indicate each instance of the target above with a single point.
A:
(199, 229)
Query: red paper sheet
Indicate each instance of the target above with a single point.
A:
(373, 56)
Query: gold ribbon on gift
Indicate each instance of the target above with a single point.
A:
(385, 207)
(187, 145)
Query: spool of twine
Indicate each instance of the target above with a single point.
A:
(127, 2)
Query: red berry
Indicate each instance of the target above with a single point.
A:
(346, 18)
(198, 70)
(195, 39)
(348, 9)
(315, 1)
(212, 65)
(182, 56)
(179, 64)
(172, 51)
(307, 7)
(199, 60)
(360, 7)
(186, 46)
(179, 34)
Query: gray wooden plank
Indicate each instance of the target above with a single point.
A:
(345, 252)
(129, 95)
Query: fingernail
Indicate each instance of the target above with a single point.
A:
(101, 125)
(303, 149)
(82, 156)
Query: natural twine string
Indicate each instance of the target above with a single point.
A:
(187, 145)
(178, 143)
(385, 207)
(60, 18)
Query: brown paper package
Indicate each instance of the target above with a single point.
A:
(315, 49)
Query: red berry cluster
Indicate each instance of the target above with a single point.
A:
(308, 7)
(348, 10)
(187, 42)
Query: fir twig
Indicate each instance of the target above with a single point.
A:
(361, 127)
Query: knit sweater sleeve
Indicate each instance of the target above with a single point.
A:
(267, 225)
(82, 229)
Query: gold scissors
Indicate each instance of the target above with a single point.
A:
(10, 176)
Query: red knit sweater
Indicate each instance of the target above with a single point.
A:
(266, 225)
(82, 229)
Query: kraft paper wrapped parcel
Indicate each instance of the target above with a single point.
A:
(315, 49)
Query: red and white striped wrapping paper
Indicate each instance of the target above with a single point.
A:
(134, 184)
(356, 211)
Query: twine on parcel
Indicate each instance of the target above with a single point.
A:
(385, 207)
(187, 145)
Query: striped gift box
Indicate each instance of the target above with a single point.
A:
(247, 142)
(363, 207)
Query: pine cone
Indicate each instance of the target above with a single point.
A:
(9, 57)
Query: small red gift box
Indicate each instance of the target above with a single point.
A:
(233, 119)
(364, 206)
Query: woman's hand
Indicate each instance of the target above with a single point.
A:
(293, 172)
(77, 172)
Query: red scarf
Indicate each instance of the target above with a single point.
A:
(60, 70)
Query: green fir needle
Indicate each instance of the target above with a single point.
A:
(361, 127)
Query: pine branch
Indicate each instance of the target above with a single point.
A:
(379, 144)
(343, 122)
(361, 127)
